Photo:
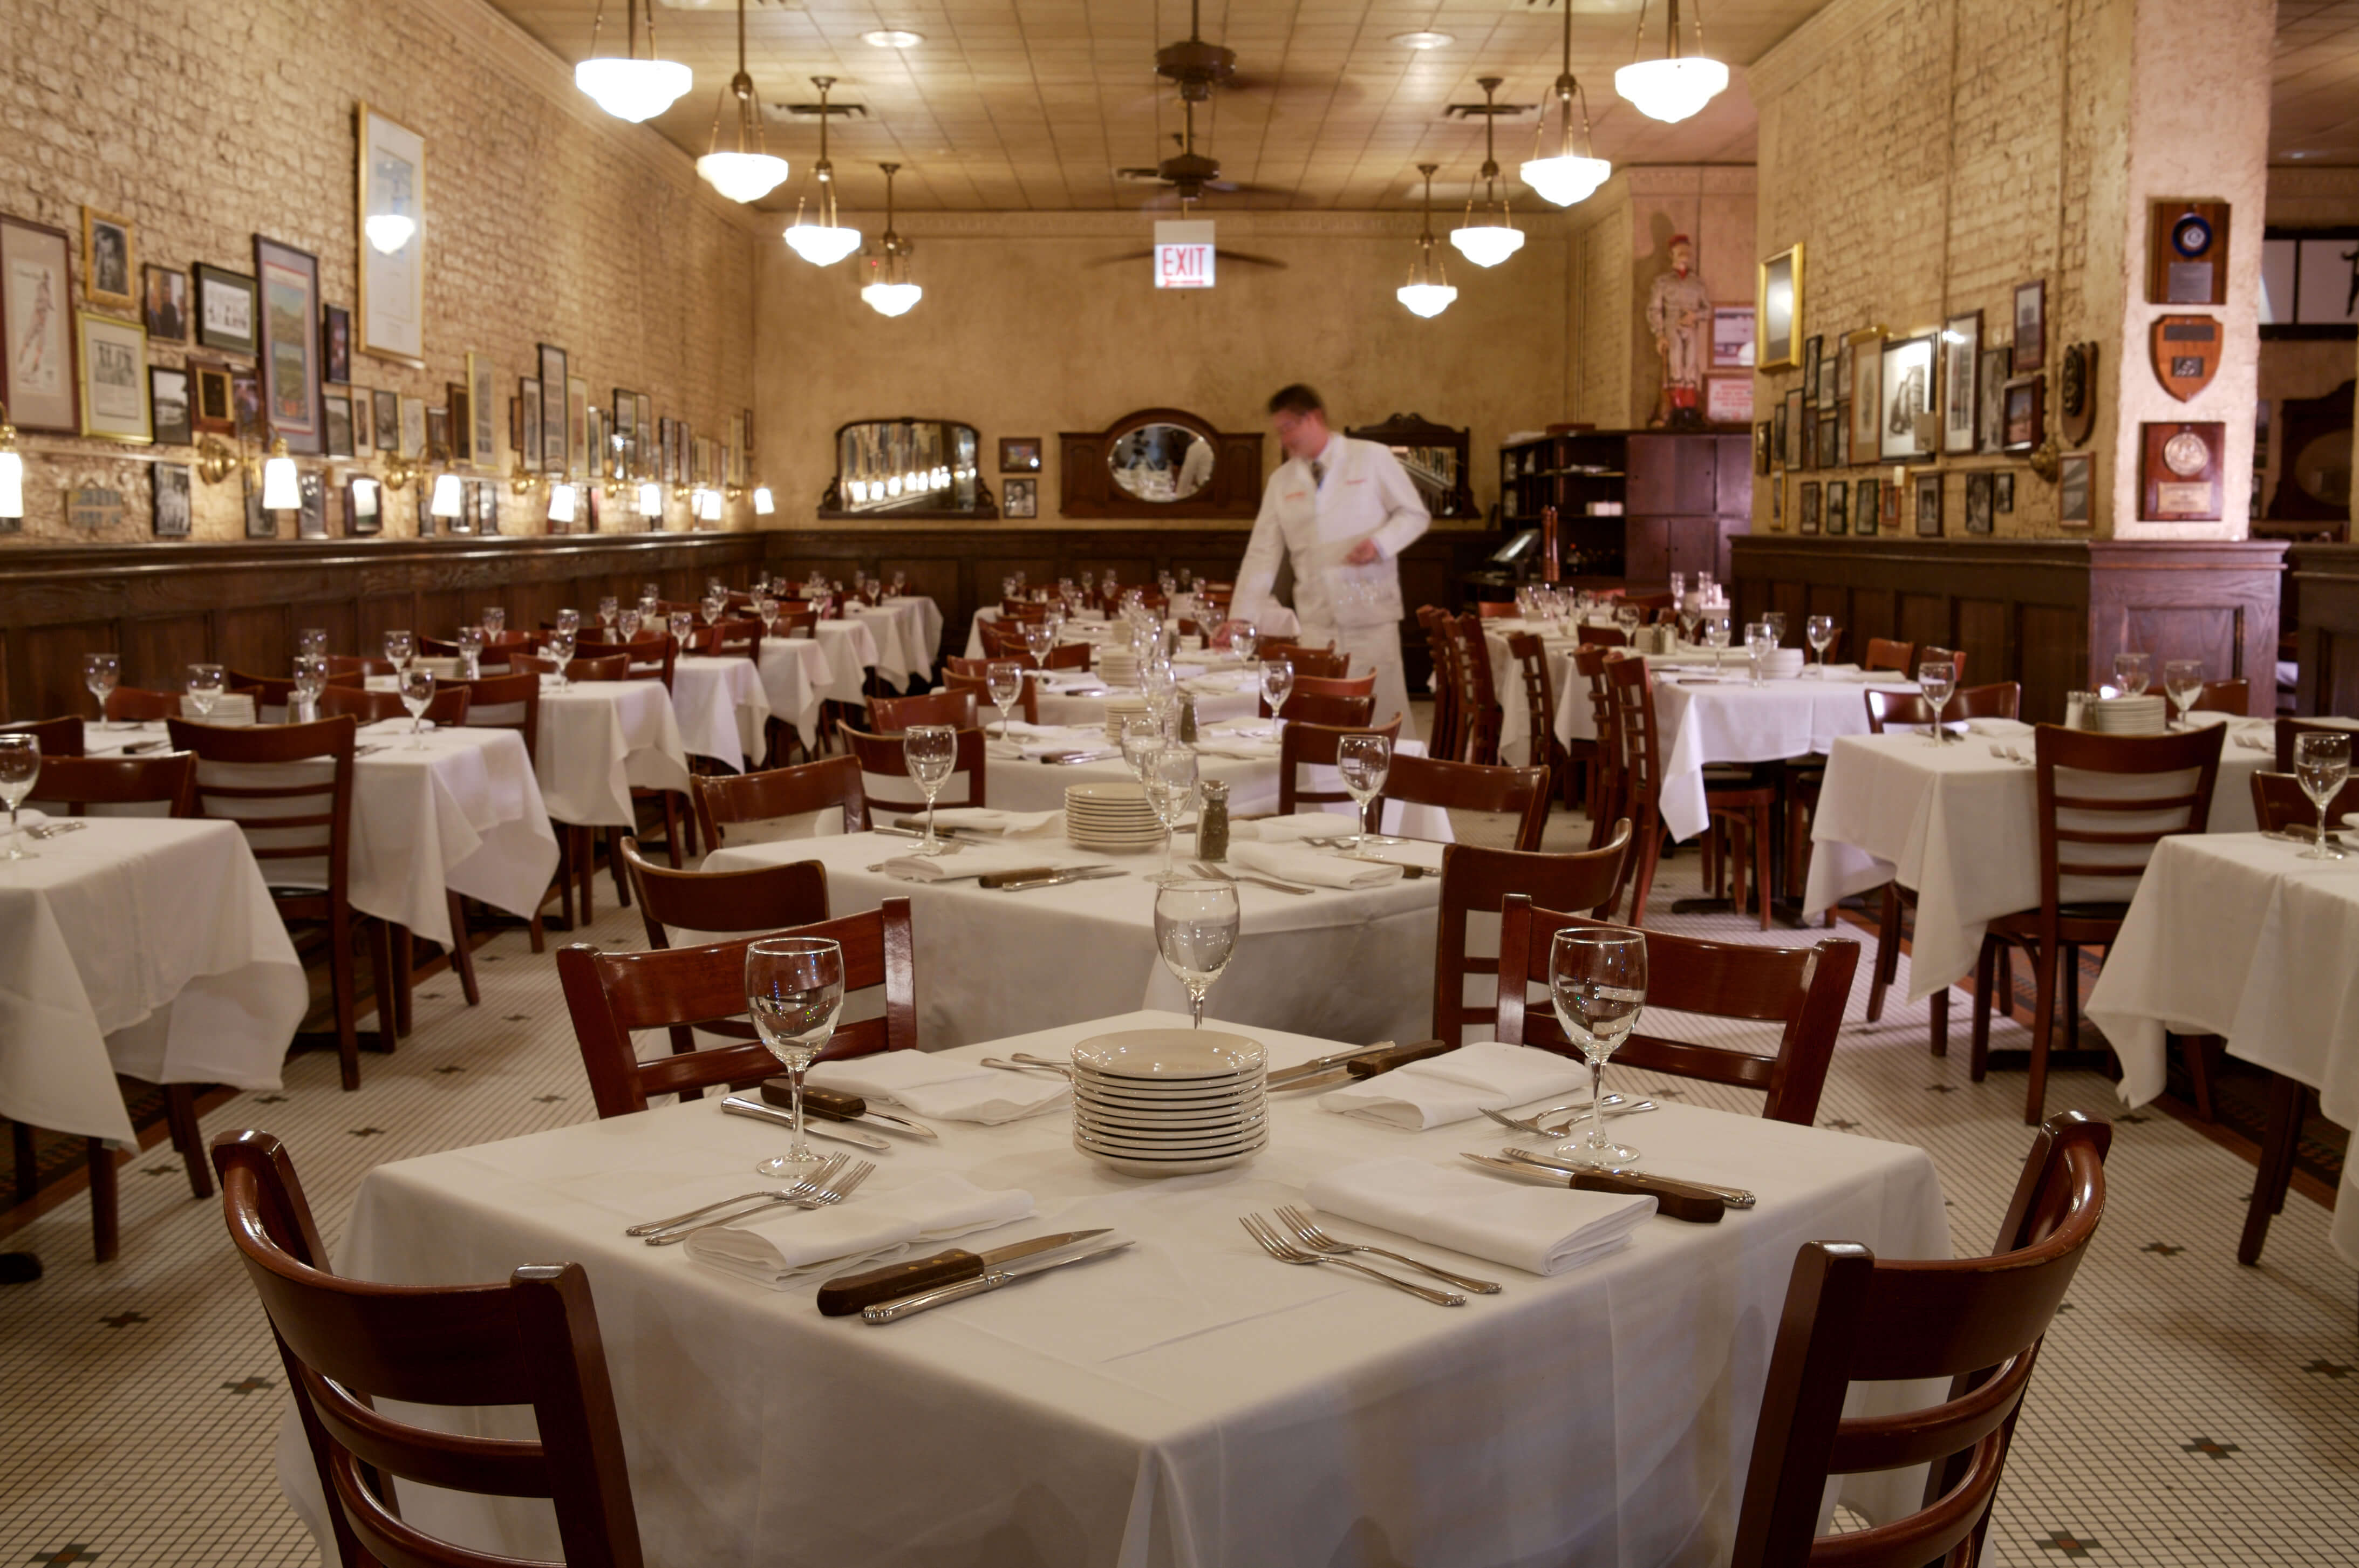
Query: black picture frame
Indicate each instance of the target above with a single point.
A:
(1806, 512)
(1867, 507)
(338, 409)
(1019, 454)
(1813, 351)
(1830, 451)
(223, 301)
(1980, 498)
(311, 513)
(1838, 506)
(2003, 492)
(1929, 505)
(336, 345)
(170, 414)
(1022, 498)
(164, 303)
(172, 499)
(288, 341)
(364, 503)
(384, 406)
(553, 367)
(2024, 418)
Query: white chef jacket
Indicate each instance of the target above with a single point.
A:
(1365, 494)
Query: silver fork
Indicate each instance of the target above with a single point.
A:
(1285, 1251)
(834, 1192)
(1614, 1107)
(808, 1185)
(1307, 1230)
(1209, 870)
(51, 830)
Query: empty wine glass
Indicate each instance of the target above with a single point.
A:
(1276, 686)
(20, 765)
(608, 607)
(1138, 734)
(1775, 621)
(1819, 631)
(495, 621)
(1717, 629)
(1365, 761)
(768, 608)
(900, 580)
(416, 695)
(1760, 642)
(559, 648)
(794, 994)
(310, 682)
(1002, 682)
(568, 621)
(2132, 672)
(471, 653)
(206, 684)
(1169, 775)
(682, 624)
(1937, 678)
(1039, 641)
(627, 624)
(1597, 982)
(714, 604)
(101, 673)
(1244, 641)
(2182, 679)
(1629, 616)
(650, 603)
(1196, 931)
(930, 752)
(2322, 763)
(311, 639)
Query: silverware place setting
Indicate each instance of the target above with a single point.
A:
(813, 1191)
(2009, 753)
(1306, 1231)
(1268, 1237)
(1213, 873)
(826, 1168)
(1616, 1105)
(51, 830)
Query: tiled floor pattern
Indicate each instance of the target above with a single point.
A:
(2186, 1411)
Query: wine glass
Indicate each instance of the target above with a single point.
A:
(401, 647)
(471, 653)
(794, 994)
(20, 765)
(568, 621)
(1716, 627)
(416, 695)
(1169, 775)
(1597, 981)
(1365, 761)
(1627, 616)
(1760, 642)
(2131, 673)
(714, 604)
(2184, 679)
(101, 673)
(311, 639)
(1138, 734)
(1819, 631)
(1276, 686)
(1196, 931)
(682, 624)
(1089, 583)
(206, 684)
(1244, 640)
(1039, 641)
(495, 621)
(768, 608)
(1002, 682)
(930, 752)
(627, 626)
(559, 648)
(900, 580)
(2322, 762)
(1938, 678)
(649, 604)
(608, 607)
(310, 682)
(1775, 621)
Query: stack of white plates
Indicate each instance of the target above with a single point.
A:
(1169, 1102)
(1113, 818)
(2128, 715)
(1118, 709)
(1783, 663)
(1118, 666)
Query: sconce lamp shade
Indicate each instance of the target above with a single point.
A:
(447, 495)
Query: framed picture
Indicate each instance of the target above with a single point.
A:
(1890, 496)
(1731, 337)
(1778, 426)
(437, 434)
(644, 440)
(1864, 353)
(2003, 492)
(2076, 490)
(484, 411)
(168, 407)
(336, 345)
(1843, 432)
(1019, 454)
(164, 303)
(2030, 326)
(413, 428)
(1813, 355)
(339, 409)
(311, 513)
(624, 456)
(1989, 399)
(363, 420)
(106, 250)
(594, 443)
(593, 507)
(1929, 506)
(364, 506)
(114, 380)
(1829, 452)
(215, 406)
(1979, 499)
(1778, 306)
(37, 379)
(1843, 371)
(422, 496)
(1905, 379)
(552, 369)
(1806, 515)
(1777, 505)
(1838, 507)
(1797, 428)
(528, 441)
(175, 501)
(1023, 498)
(577, 426)
(2179, 476)
(246, 403)
(259, 524)
(227, 307)
(1962, 346)
(392, 228)
(460, 435)
(1761, 433)
(2023, 419)
(386, 406)
(1869, 511)
(1728, 399)
(289, 280)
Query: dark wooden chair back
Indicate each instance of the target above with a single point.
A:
(610, 995)
(2095, 840)
(1312, 694)
(881, 762)
(1442, 650)
(130, 704)
(1336, 713)
(1497, 609)
(273, 698)
(357, 664)
(1305, 745)
(1956, 656)
(1319, 663)
(647, 656)
(2286, 730)
(1632, 687)
(1979, 1322)
(742, 799)
(287, 787)
(2223, 697)
(347, 1343)
(1603, 637)
(764, 898)
(448, 706)
(1519, 792)
(891, 715)
(1999, 700)
(1478, 696)
(76, 782)
(507, 702)
(1003, 639)
(1589, 662)
(1022, 610)
(1801, 988)
(582, 667)
(61, 736)
(790, 622)
(1883, 653)
(729, 640)
(2278, 801)
(977, 690)
(1532, 658)
(1476, 881)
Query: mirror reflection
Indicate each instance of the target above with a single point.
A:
(1434, 471)
(1161, 462)
(906, 465)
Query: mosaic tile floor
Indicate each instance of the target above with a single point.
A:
(2186, 1411)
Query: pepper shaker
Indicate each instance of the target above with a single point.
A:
(1213, 819)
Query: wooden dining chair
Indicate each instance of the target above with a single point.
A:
(2223, 697)
(1337, 713)
(1324, 695)
(729, 640)
(1568, 765)
(1999, 700)
(1477, 881)
(1305, 745)
(892, 715)
(510, 701)
(1803, 990)
(1522, 793)
(1319, 663)
(61, 736)
(131, 705)
(582, 667)
(1885, 653)
(2279, 802)
(1441, 649)
(350, 1346)
(2097, 830)
(650, 656)
(359, 664)
(273, 698)
(610, 995)
(1731, 795)
(749, 801)
(289, 789)
(1608, 792)
(1026, 705)
(1480, 715)
(1002, 639)
(448, 706)
(1603, 637)
(1851, 1317)
(1497, 610)
(2286, 729)
(882, 763)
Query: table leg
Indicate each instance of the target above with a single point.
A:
(2288, 1099)
(181, 1115)
(105, 1203)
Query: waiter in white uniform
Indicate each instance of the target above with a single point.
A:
(1340, 511)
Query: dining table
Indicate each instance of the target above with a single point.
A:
(907, 632)
(601, 738)
(1223, 688)
(797, 674)
(1188, 1401)
(852, 653)
(723, 707)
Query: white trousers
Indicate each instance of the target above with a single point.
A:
(1376, 648)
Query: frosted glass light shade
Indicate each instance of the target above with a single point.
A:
(389, 232)
(632, 90)
(279, 492)
(1671, 90)
(821, 244)
(1427, 300)
(742, 176)
(1567, 178)
(12, 485)
(763, 504)
(561, 503)
(651, 499)
(448, 498)
(1486, 245)
(892, 298)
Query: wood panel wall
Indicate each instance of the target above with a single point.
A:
(2326, 639)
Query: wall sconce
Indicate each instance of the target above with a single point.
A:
(521, 483)
(217, 460)
(280, 490)
(449, 497)
(651, 498)
(708, 506)
(561, 503)
(763, 504)
(399, 472)
(12, 470)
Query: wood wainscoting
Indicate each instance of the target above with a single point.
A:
(2048, 613)
(2323, 580)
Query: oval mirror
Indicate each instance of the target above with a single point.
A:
(1160, 463)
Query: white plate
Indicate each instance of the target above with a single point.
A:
(1169, 1167)
(1169, 1054)
(1144, 1108)
(1143, 1148)
(1121, 1097)
(1240, 1082)
(1152, 1129)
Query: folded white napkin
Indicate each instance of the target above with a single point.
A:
(940, 1090)
(969, 861)
(2200, 716)
(2003, 727)
(1007, 824)
(1289, 830)
(1527, 1227)
(787, 1244)
(1293, 863)
(1462, 1084)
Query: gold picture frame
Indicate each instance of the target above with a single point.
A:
(109, 274)
(390, 318)
(114, 380)
(1778, 310)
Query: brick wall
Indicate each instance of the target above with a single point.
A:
(207, 123)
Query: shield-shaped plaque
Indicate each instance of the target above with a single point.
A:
(2186, 354)
(2076, 392)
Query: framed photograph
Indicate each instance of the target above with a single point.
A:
(1989, 399)
(528, 443)
(338, 408)
(1813, 361)
(311, 516)
(644, 443)
(2179, 476)
(37, 379)
(114, 380)
(175, 500)
(413, 428)
(1023, 498)
(336, 345)
(1864, 353)
(2076, 490)
(107, 255)
(1728, 399)
(1905, 379)
(1838, 507)
(2023, 419)
(2003, 492)
(1979, 499)
(392, 229)
(1890, 495)
(1797, 428)
(462, 434)
(363, 421)
(386, 415)
(1778, 426)
(213, 410)
(168, 407)
(1929, 506)
(259, 524)
(164, 303)
(290, 343)
(1843, 433)
(437, 434)
(593, 507)
(552, 368)
(1019, 454)
(1777, 304)
(1869, 511)
(577, 426)
(422, 496)
(1806, 515)
(246, 403)
(1830, 453)
(624, 456)
(1843, 371)
(227, 307)
(364, 506)
(593, 441)
(1731, 337)
(2030, 326)
(484, 411)
(1777, 505)
(1961, 347)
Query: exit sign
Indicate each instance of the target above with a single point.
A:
(1183, 255)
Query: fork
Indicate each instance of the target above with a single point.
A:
(1285, 1251)
(51, 830)
(1614, 1107)
(1307, 1230)
(810, 1184)
(1215, 872)
(833, 1191)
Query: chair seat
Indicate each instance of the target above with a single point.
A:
(1738, 793)
(2075, 922)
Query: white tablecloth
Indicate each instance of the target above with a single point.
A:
(908, 635)
(598, 738)
(145, 946)
(852, 653)
(721, 705)
(1221, 692)
(2233, 934)
(1188, 1402)
(796, 675)
(1507, 681)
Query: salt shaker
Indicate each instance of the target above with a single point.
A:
(1212, 817)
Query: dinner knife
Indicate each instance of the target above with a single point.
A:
(848, 1293)
(901, 1307)
(838, 1106)
(1673, 1200)
(1318, 1064)
(1055, 879)
(1735, 1197)
(738, 1105)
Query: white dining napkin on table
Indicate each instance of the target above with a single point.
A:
(786, 1246)
(971, 860)
(2005, 728)
(1527, 1227)
(989, 820)
(940, 1090)
(1458, 1084)
(1293, 863)
(1289, 830)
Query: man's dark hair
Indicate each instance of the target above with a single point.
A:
(1296, 398)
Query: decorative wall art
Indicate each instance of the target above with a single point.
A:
(1023, 498)
(1830, 449)
(2003, 492)
(37, 379)
(336, 345)
(624, 458)
(2026, 414)
(1962, 342)
(289, 350)
(1731, 337)
(1806, 515)
(386, 405)
(311, 513)
(2076, 489)
(1761, 434)
(1929, 506)
(164, 303)
(108, 260)
(437, 434)
(2179, 474)
(392, 225)
(1019, 454)
(577, 426)
(1905, 379)
(1838, 506)
(1797, 428)
(215, 409)
(2076, 392)
(114, 380)
(1780, 426)
(529, 445)
(2030, 326)
(1778, 302)
(484, 412)
(175, 502)
(338, 409)
(1868, 511)
(2186, 253)
(552, 367)
(1813, 354)
(246, 403)
(2185, 351)
(364, 506)
(1865, 355)
(1989, 399)
(226, 308)
(461, 432)
(1728, 399)
(1980, 502)
(259, 524)
(168, 407)
(413, 428)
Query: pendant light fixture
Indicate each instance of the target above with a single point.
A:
(889, 292)
(824, 242)
(1569, 177)
(1428, 291)
(742, 175)
(1488, 237)
(1676, 86)
(630, 88)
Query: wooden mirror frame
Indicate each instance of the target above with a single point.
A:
(1086, 487)
(830, 501)
(1416, 430)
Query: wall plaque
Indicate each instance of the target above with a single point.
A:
(2187, 253)
(2186, 353)
(2179, 476)
(93, 510)
(2076, 392)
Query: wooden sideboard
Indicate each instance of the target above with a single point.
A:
(2322, 581)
